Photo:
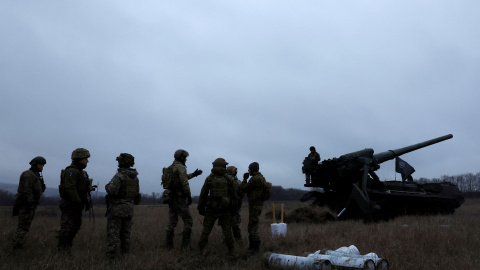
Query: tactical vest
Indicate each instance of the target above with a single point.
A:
(175, 184)
(130, 187)
(29, 187)
(219, 192)
(82, 183)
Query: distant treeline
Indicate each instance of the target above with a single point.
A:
(277, 194)
(468, 183)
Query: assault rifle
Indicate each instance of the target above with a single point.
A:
(90, 188)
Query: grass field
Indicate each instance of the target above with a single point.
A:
(415, 242)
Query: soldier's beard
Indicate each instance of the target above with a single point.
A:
(81, 165)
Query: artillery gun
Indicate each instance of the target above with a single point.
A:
(353, 190)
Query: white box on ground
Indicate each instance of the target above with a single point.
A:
(279, 229)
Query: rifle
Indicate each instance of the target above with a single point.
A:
(90, 188)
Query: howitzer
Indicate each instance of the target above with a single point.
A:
(350, 180)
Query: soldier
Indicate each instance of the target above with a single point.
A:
(310, 161)
(123, 192)
(181, 199)
(255, 191)
(236, 216)
(217, 200)
(73, 189)
(30, 188)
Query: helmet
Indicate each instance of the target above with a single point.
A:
(180, 154)
(254, 167)
(312, 148)
(220, 162)
(38, 160)
(80, 153)
(126, 160)
(232, 170)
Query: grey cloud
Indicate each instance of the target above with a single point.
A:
(247, 81)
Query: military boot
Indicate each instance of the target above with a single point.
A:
(111, 255)
(250, 246)
(201, 247)
(231, 252)
(64, 245)
(125, 247)
(237, 234)
(186, 238)
(125, 251)
(18, 242)
(255, 247)
(169, 239)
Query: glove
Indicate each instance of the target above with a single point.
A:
(197, 172)
(189, 200)
(202, 211)
(87, 206)
(245, 176)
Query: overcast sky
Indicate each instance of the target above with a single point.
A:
(243, 80)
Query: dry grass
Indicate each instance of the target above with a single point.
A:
(437, 242)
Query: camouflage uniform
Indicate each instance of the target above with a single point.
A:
(123, 192)
(73, 189)
(30, 188)
(217, 201)
(178, 206)
(310, 162)
(315, 156)
(236, 217)
(254, 189)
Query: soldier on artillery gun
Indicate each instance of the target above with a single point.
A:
(309, 163)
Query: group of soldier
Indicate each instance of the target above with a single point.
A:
(220, 198)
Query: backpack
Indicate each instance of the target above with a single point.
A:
(266, 190)
(167, 176)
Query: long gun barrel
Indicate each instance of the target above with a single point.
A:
(391, 154)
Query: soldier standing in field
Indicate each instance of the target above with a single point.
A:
(218, 200)
(74, 186)
(236, 216)
(255, 190)
(123, 191)
(30, 188)
(181, 199)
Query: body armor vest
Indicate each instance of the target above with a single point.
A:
(219, 196)
(219, 187)
(130, 187)
(81, 185)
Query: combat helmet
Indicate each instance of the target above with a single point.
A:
(232, 170)
(220, 162)
(38, 160)
(180, 154)
(125, 160)
(80, 153)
